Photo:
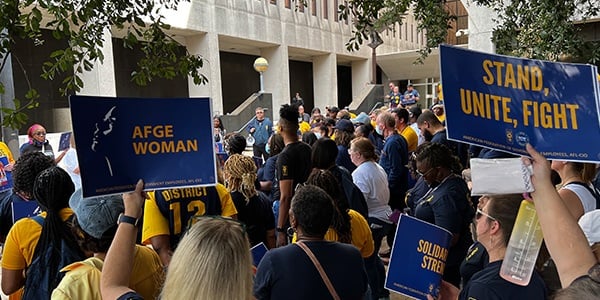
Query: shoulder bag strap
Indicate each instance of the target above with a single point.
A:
(320, 269)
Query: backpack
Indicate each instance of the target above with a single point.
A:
(37, 280)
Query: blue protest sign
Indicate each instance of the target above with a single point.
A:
(5, 176)
(65, 141)
(503, 102)
(166, 142)
(258, 252)
(418, 258)
(24, 209)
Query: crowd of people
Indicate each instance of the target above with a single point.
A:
(326, 190)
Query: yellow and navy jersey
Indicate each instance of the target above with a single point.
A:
(168, 212)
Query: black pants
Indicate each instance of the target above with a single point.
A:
(259, 151)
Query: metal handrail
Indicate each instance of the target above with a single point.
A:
(245, 125)
(375, 106)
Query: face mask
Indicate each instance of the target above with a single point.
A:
(318, 135)
(267, 148)
(379, 130)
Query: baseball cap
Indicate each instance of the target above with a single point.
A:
(96, 215)
(414, 111)
(590, 224)
(344, 125)
(362, 118)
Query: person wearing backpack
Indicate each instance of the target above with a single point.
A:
(27, 167)
(95, 224)
(44, 244)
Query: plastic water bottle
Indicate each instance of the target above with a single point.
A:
(523, 246)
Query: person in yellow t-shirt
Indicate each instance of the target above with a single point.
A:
(167, 213)
(95, 222)
(439, 112)
(5, 151)
(52, 190)
(401, 116)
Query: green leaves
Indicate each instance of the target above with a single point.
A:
(541, 29)
(83, 24)
(16, 117)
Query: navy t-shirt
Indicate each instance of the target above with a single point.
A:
(448, 206)
(288, 273)
(256, 214)
(477, 258)
(294, 163)
(487, 284)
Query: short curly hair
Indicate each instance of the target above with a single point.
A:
(27, 167)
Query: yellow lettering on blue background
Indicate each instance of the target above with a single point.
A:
(159, 131)
(504, 75)
(434, 258)
(156, 147)
(487, 106)
(551, 116)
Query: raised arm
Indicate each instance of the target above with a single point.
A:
(119, 259)
(564, 238)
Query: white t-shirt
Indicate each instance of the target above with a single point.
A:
(587, 199)
(69, 163)
(415, 127)
(371, 179)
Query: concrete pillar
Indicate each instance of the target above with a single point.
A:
(277, 77)
(325, 80)
(361, 76)
(207, 45)
(100, 81)
(481, 26)
(9, 136)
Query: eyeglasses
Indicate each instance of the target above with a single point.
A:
(480, 213)
(260, 112)
(40, 133)
(424, 174)
(196, 218)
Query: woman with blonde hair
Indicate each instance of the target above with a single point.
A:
(576, 187)
(212, 260)
(254, 210)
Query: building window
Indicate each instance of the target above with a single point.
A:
(288, 3)
(325, 10)
(313, 7)
(273, 2)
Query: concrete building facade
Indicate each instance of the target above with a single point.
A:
(278, 30)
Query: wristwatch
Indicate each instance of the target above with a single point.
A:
(280, 229)
(127, 219)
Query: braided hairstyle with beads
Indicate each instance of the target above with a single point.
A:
(240, 175)
(27, 167)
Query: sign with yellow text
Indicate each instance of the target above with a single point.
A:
(166, 142)
(503, 103)
(418, 258)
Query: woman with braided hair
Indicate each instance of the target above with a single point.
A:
(347, 226)
(30, 238)
(253, 210)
